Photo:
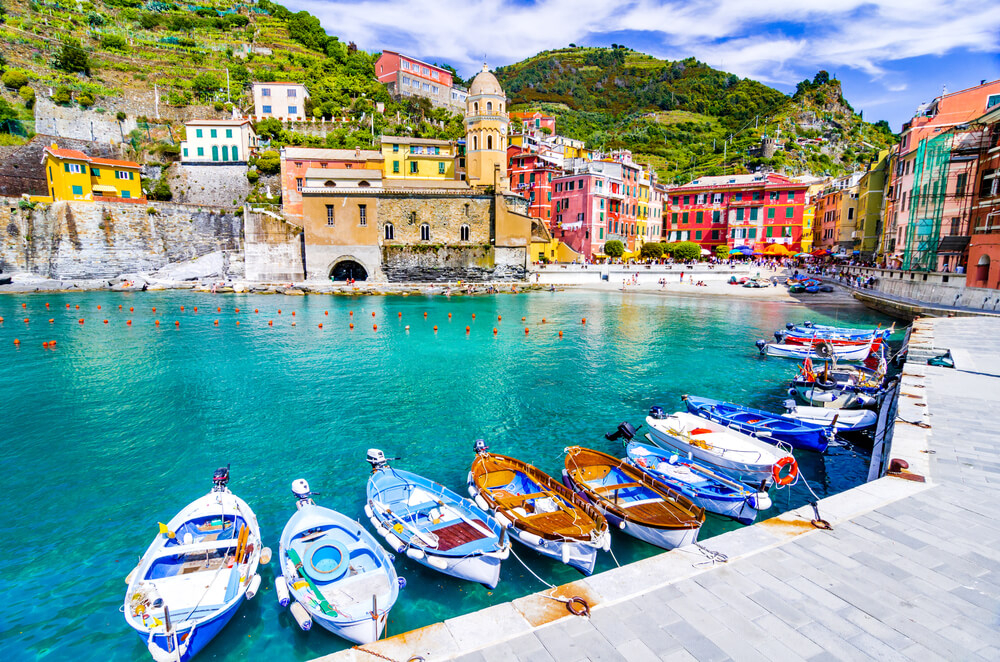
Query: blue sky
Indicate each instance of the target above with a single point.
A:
(890, 55)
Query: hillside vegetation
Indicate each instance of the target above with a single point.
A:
(687, 119)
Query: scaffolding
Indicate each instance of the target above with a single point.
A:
(930, 185)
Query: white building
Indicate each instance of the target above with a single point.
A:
(285, 101)
(218, 141)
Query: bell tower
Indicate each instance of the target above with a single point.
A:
(486, 124)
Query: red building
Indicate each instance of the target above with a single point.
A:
(407, 76)
(531, 175)
(737, 210)
(535, 120)
(984, 247)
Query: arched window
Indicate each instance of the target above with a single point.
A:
(983, 268)
(425, 232)
(475, 107)
(390, 232)
(489, 106)
(475, 143)
(329, 183)
(463, 233)
(363, 184)
(489, 142)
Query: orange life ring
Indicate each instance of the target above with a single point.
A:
(793, 471)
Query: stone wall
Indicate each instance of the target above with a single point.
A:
(452, 263)
(445, 214)
(939, 288)
(77, 240)
(210, 185)
(273, 248)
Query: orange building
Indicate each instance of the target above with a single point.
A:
(297, 162)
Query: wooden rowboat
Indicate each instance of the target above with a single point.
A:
(538, 510)
(633, 500)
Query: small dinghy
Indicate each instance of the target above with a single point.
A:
(708, 489)
(844, 420)
(821, 330)
(738, 455)
(633, 500)
(334, 572)
(195, 574)
(820, 350)
(433, 525)
(834, 398)
(539, 511)
(761, 424)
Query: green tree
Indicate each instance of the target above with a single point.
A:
(7, 112)
(722, 251)
(28, 96)
(72, 58)
(614, 248)
(686, 251)
(14, 79)
(652, 250)
(114, 42)
(269, 163)
(205, 85)
(62, 96)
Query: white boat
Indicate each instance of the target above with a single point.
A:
(744, 457)
(820, 350)
(195, 574)
(835, 398)
(335, 572)
(845, 420)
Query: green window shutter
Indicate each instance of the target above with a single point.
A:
(602, 233)
(66, 167)
(789, 212)
(770, 212)
(440, 168)
(770, 231)
(684, 217)
(700, 216)
(126, 194)
(77, 190)
(215, 152)
(213, 133)
(716, 216)
(185, 151)
(673, 217)
(753, 233)
(697, 234)
(395, 166)
(229, 133)
(753, 213)
(739, 214)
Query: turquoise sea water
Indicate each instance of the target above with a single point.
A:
(119, 427)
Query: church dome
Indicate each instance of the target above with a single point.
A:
(485, 83)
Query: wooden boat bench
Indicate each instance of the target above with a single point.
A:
(517, 500)
(607, 489)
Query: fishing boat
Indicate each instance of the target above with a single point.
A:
(834, 398)
(195, 574)
(820, 350)
(538, 511)
(843, 420)
(707, 488)
(802, 339)
(738, 455)
(333, 572)
(761, 424)
(433, 525)
(633, 500)
(808, 328)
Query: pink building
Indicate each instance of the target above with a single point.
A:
(596, 201)
(297, 162)
(407, 76)
(536, 120)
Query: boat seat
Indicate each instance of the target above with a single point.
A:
(518, 499)
(499, 478)
(611, 488)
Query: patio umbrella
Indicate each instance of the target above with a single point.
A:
(777, 249)
(820, 252)
(705, 251)
(738, 251)
(803, 255)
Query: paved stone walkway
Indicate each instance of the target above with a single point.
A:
(911, 570)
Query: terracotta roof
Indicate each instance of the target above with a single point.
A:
(210, 122)
(67, 154)
(406, 140)
(277, 82)
(113, 162)
(325, 154)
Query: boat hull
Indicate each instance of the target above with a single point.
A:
(800, 352)
(483, 569)
(801, 435)
(195, 641)
(360, 631)
(846, 421)
(581, 555)
(750, 473)
(834, 398)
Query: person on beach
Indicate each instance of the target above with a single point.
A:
(682, 277)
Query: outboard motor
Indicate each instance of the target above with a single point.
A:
(300, 488)
(779, 336)
(656, 411)
(789, 326)
(480, 447)
(790, 405)
(220, 479)
(807, 324)
(762, 346)
(376, 458)
(625, 431)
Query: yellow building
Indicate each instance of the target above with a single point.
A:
(808, 216)
(553, 250)
(486, 124)
(418, 158)
(72, 175)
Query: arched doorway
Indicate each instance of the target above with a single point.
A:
(348, 269)
(983, 269)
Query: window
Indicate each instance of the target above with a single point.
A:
(773, 196)
(737, 196)
(213, 133)
(434, 89)
(77, 190)
(235, 153)
(298, 184)
(475, 143)
(786, 232)
(122, 174)
(425, 232)
(700, 199)
(697, 234)
(687, 198)
(293, 93)
(435, 75)
(265, 92)
(293, 110)
(463, 233)
(993, 100)
(329, 215)
(185, 151)
(715, 235)
(684, 217)
(753, 233)
(753, 213)
(424, 70)
(673, 218)
(700, 217)
(601, 233)
(413, 167)
(739, 214)
(201, 151)
(758, 195)
(717, 199)
(363, 215)
(676, 200)
(126, 194)
(770, 231)
(225, 152)
(264, 109)
(789, 212)
(716, 216)
(441, 168)
(770, 213)
(406, 65)
(389, 231)
(791, 196)
(960, 182)
(95, 172)
(229, 133)
(197, 133)
(489, 142)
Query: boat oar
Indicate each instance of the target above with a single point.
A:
(455, 511)
(406, 525)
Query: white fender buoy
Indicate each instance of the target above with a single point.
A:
(415, 554)
(265, 555)
(301, 616)
(606, 545)
(472, 490)
(437, 562)
(281, 590)
(501, 520)
(621, 525)
(763, 500)
(530, 538)
(566, 552)
(470, 481)
(481, 502)
(378, 526)
(253, 586)
(394, 542)
(368, 511)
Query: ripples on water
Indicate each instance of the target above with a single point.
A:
(117, 428)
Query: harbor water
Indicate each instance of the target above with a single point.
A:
(117, 426)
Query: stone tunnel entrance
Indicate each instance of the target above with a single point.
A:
(347, 269)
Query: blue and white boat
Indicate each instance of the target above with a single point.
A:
(433, 525)
(844, 420)
(761, 424)
(820, 350)
(195, 574)
(839, 332)
(335, 572)
(707, 488)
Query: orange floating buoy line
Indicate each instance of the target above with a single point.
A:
(25, 320)
(16, 341)
(255, 310)
(435, 327)
(157, 322)
(374, 327)
(67, 305)
(80, 320)
(351, 313)
(499, 318)
(77, 306)
(237, 310)
(583, 321)
(425, 314)
(195, 309)
(177, 323)
(407, 327)
(523, 318)
(293, 313)
(466, 329)
(51, 321)
(325, 312)
(399, 314)
(373, 313)
(98, 307)
(154, 309)
(293, 323)
(279, 311)
(321, 325)
(216, 322)
(24, 305)
(270, 322)
(543, 320)
(128, 323)
(494, 330)
(560, 334)
(449, 315)
(120, 307)
(132, 310)
(218, 309)
(525, 330)
(1, 320)
(352, 325)
(182, 309)
(46, 304)
(237, 322)
(473, 316)
(105, 321)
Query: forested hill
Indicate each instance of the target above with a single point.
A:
(688, 119)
